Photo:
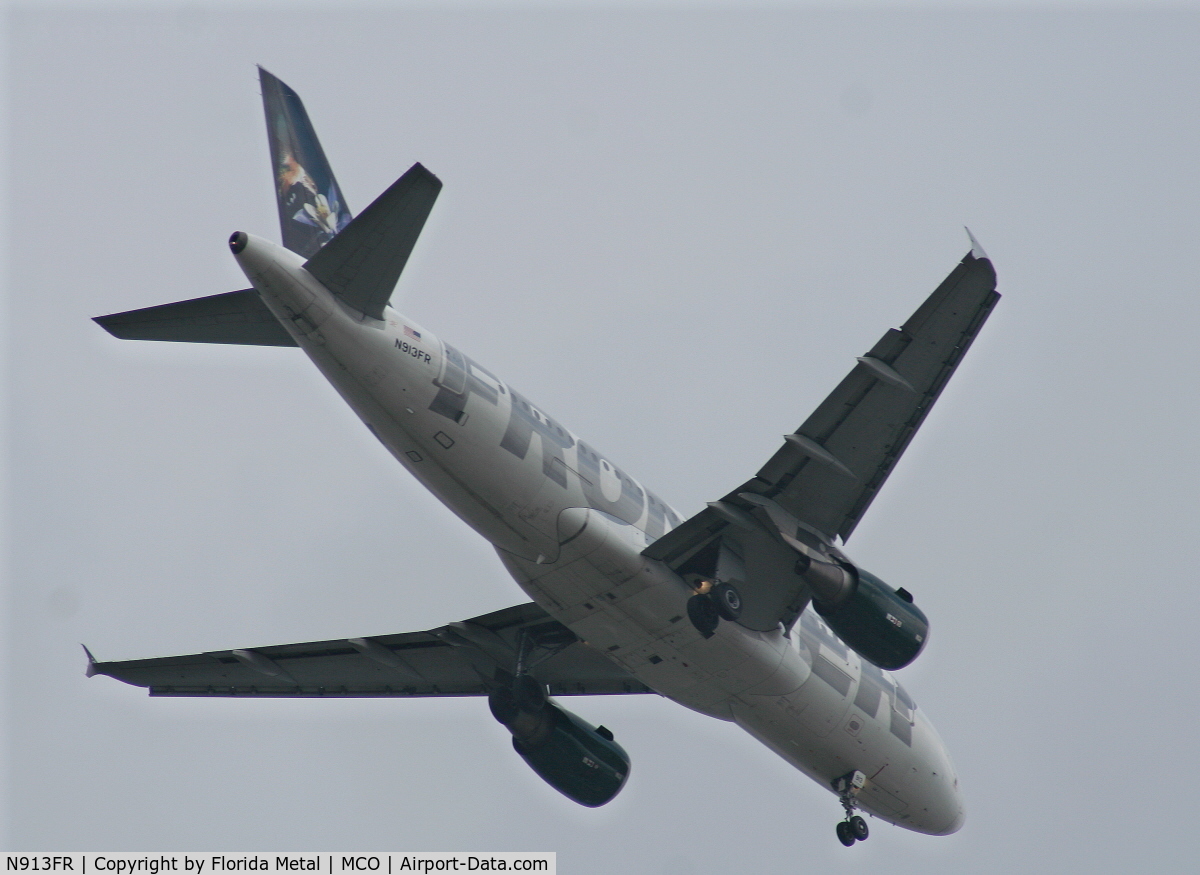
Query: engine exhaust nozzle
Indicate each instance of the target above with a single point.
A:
(831, 584)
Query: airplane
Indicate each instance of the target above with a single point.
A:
(748, 611)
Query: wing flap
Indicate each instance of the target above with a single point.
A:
(454, 660)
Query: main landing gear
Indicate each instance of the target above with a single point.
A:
(711, 604)
(854, 827)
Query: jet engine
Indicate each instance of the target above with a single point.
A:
(577, 759)
(881, 624)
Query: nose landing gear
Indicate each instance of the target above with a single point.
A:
(854, 827)
(852, 830)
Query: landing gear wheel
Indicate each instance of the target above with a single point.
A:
(845, 833)
(729, 601)
(858, 828)
(702, 611)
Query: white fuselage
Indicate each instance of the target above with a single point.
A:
(570, 528)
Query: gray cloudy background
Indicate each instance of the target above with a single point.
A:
(674, 230)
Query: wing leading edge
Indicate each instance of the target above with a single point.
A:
(459, 659)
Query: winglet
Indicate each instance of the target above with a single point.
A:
(976, 249)
(92, 671)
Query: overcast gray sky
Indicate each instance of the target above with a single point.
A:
(674, 230)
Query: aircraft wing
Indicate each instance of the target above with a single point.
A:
(459, 659)
(828, 472)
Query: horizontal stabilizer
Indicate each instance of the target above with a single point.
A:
(363, 262)
(234, 317)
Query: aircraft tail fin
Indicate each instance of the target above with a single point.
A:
(359, 260)
(363, 262)
(311, 207)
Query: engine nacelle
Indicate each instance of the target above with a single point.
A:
(577, 759)
(880, 624)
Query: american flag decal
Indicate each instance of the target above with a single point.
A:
(410, 333)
